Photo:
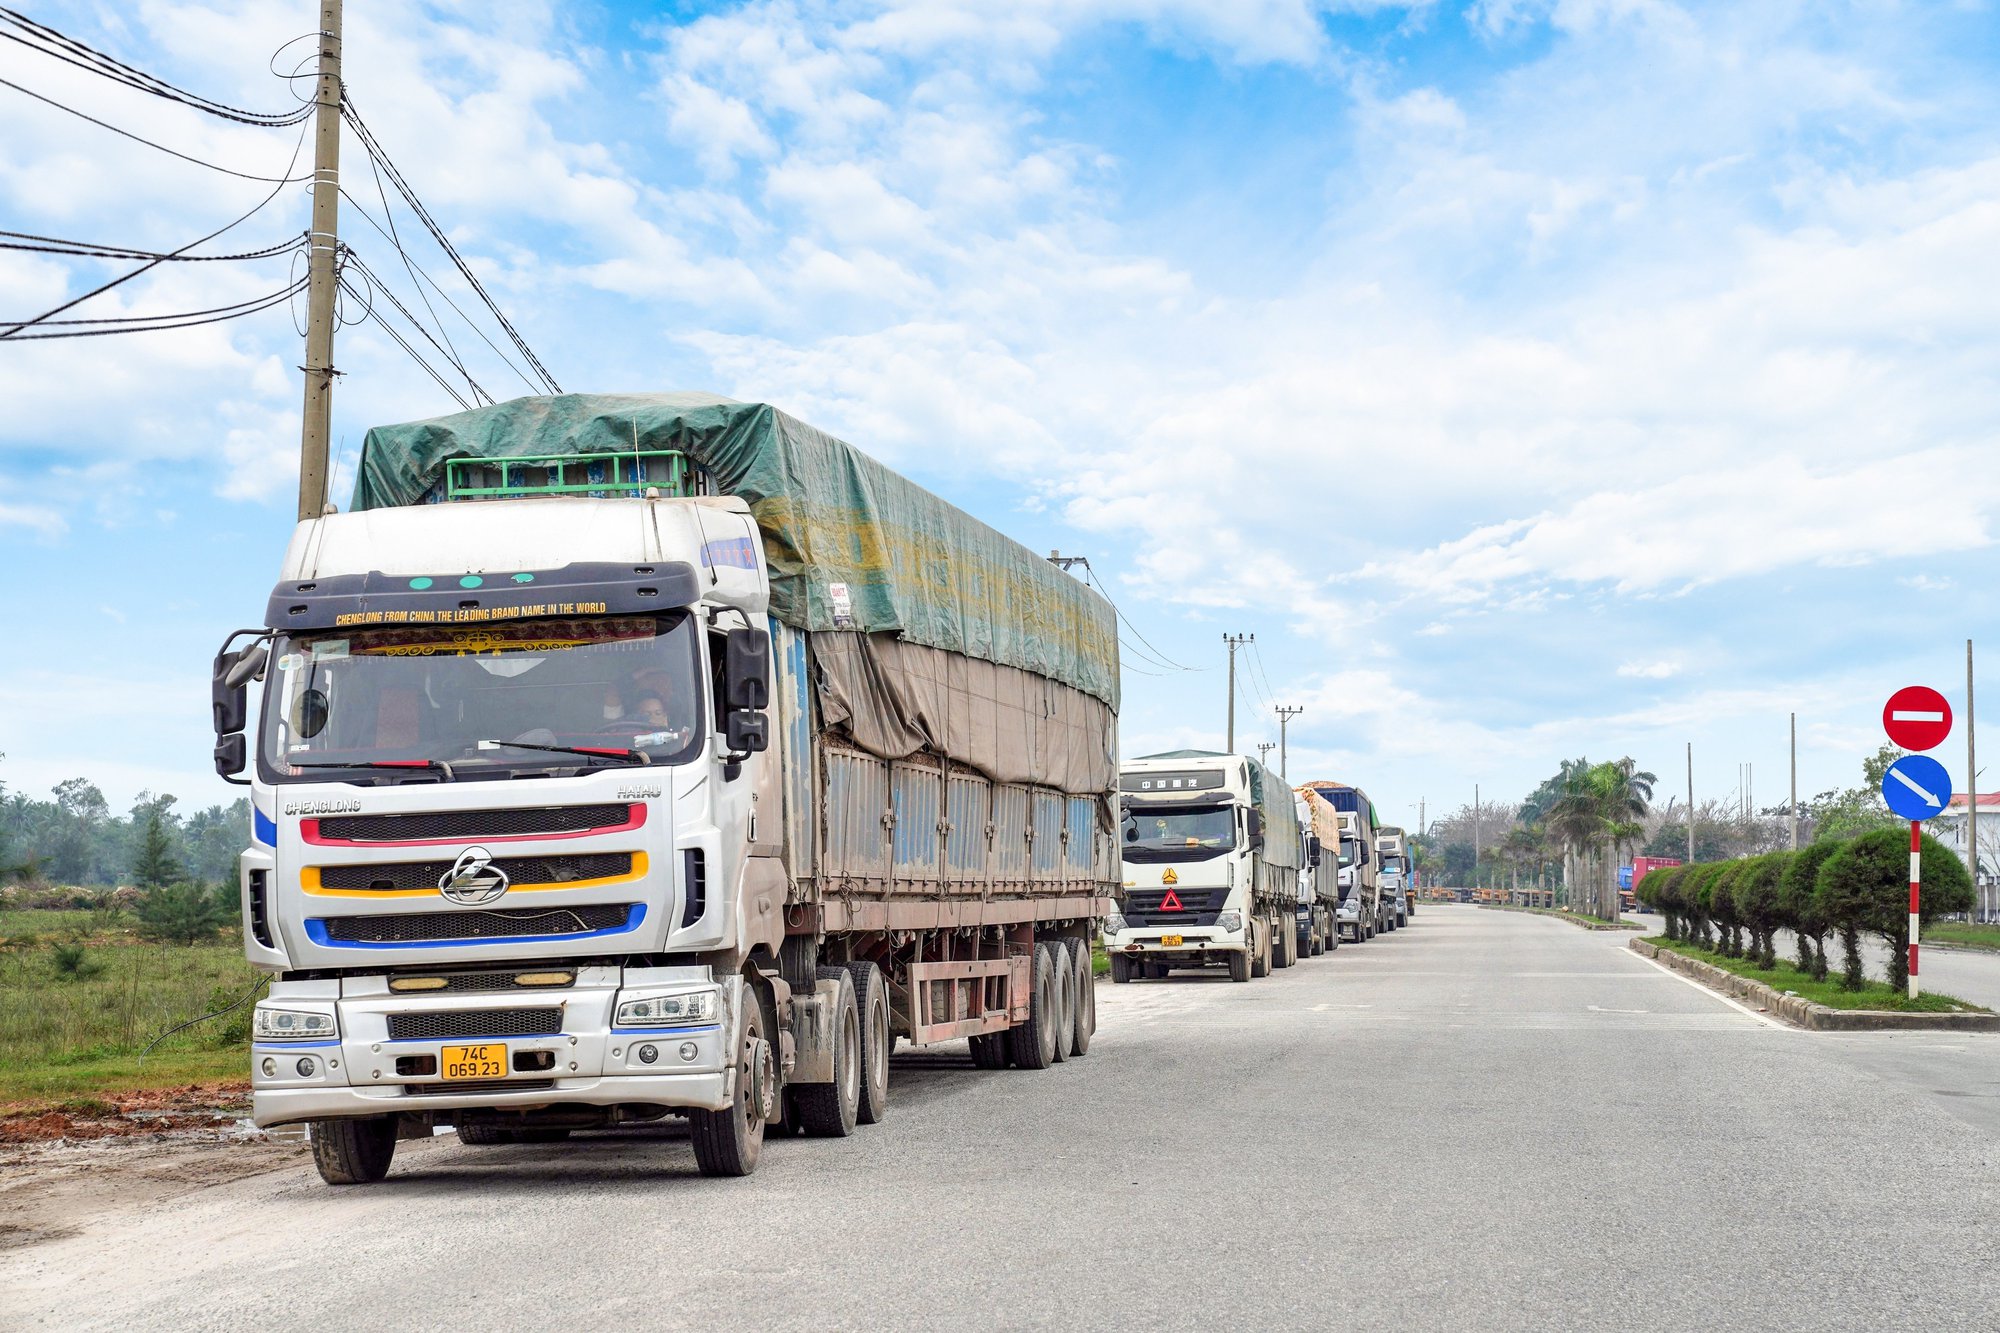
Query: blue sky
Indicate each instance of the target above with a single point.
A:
(1534, 378)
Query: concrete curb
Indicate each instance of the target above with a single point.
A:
(1804, 1013)
(1537, 911)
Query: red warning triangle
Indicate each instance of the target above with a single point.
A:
(1171, 903)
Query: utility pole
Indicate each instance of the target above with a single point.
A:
(322, 252)
(1475, 833)
(1264, 749)
(1285, 716)
(1690, 802)
(1234, 641)
(1794, 807)
(1423, 829)
(1972, 790)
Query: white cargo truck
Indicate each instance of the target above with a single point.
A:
(1211, 850)
(1361, 914)
(1397, 889)
(658, 755)
(1318, 892)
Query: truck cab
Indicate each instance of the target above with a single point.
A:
(1400, 902)
(1210, 855)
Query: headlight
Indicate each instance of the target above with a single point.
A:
(1230, 921)
(292, 1025)
(1113, 924)
(663, 1010)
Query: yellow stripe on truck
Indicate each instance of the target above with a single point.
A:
(309, 881)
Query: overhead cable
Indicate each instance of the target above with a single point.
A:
(154, 323)
(404, 343)
(170, 152)
(451, 356)
(49, 42)
(56, 245)
(388, 167)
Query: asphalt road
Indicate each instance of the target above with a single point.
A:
(1488, 1120)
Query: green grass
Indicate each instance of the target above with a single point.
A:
(1963, 934)
(1784, 977)
(1100, 962)
(18, 922)
(71, 1035)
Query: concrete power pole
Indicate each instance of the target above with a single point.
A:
(1972, 791)
(1794, 807)
(321, 275)
(1690, 802)
(1234, 641)
(1285, 716)
(1264, 749)
(1475, 833)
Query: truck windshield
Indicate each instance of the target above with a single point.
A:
(1350, 851)
(414, 695)
(1179, 833)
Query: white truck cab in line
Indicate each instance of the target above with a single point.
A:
(1210, 845)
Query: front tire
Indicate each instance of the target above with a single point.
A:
(356, 1151)
(1239, 966)
(1121, 969)
(730, 1142)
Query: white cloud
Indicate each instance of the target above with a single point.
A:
(1660, 670)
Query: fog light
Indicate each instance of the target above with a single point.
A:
(270, 1067)
(689, 1050)
(306, 1067)
(647, 1054)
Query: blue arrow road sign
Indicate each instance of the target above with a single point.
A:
(1917, 787)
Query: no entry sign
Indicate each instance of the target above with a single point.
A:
(1917, 717)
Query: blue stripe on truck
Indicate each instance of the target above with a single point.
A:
(316, 932)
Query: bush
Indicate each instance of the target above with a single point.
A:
(182, 913)
(1694, 890)
(1800, 906)
(1865, 886)
(1758, 901)
(1658, 891)
(72, 963)
(1722, 908)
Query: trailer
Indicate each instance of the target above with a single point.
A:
(632, 756)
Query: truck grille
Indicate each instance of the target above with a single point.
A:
(464, 1089)
(1199, 907)
(520, 870)
(461, 983)
(414, 926)
(472, 824)
(476, 1023)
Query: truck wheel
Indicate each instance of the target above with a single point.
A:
(871, 996)
(482, 1136)
(1155, 971)
(729, 1142)
(1032, 1045)
(1239, 966)
(354, 1152)
(1121, 969)
(989, 1051)
(1260, 957)
(1084, 1013)
(829, 1110)
(1066, 1000)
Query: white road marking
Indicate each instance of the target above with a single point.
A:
(1747, 1012)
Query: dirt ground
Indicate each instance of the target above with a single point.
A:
(59, 1169)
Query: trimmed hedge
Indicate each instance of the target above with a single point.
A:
(1850, 888)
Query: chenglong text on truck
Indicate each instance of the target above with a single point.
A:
(633, 756)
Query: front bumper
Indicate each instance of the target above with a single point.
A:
(1196, 942)
(712, 1091)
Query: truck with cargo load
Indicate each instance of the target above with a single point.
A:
(1318, 895)
(1361, 914)
(1394, 847)
(1211, 852)
(625, 757)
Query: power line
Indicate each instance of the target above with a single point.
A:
(56, 245)
(14, 331)
(156, 323)
(389, 216)
(388, 167)
(450, 356)
(1154, 655)
(171, 152)
(49, 42)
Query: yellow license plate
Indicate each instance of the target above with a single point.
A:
(1170, 941)
(487, 1060)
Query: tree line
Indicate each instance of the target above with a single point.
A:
(73, 841)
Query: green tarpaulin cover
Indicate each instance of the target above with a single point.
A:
(830, 515)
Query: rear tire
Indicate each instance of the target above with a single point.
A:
(729, 1142)
(1032, 1045)
(1121, 969)
(482, 1136)
(830, 1110)
(871, 997)
(1084, 1014)
(989, 1051)
(354, 1152)
(1260, 956)
(1065, 973)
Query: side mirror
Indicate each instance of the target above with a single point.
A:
(1254, 826)
(747, 732)
(229, 695)
(231, 753)
(746, 670)
(1312, 851)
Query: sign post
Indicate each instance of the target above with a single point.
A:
(1917, 787)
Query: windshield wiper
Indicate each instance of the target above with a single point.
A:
(433, 765)
(587, 751)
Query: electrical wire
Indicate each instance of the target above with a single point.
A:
(171, 152)
(154, 323)
(1154, 656)
(1257, 668)
(451, 356)
(14, 331)
(389, 216)
(255, 986)
(443, 295)
(413, 353)
(388, 167)
(49, 42)
(56, 245)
